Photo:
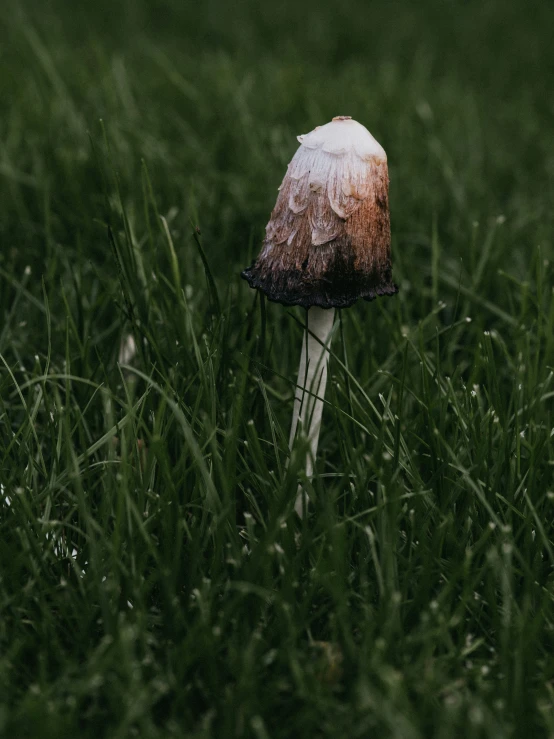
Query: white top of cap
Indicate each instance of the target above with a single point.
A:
(341, 136)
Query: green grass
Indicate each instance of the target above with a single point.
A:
(154, 579)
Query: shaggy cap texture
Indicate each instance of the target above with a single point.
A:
(328, 239)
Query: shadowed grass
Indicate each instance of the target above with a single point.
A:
(154, 579)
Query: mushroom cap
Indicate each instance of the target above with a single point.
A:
(342, 135)
(328, 239)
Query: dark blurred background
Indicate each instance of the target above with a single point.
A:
(209, 97)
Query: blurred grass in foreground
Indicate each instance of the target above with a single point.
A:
(154, 580)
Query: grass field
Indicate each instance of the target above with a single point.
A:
(154, 578)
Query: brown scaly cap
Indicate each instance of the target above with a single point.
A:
(328, 239)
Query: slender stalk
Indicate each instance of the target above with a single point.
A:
(310, 387)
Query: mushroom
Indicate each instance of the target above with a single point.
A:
(327, 244)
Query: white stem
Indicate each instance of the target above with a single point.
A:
(310, 390)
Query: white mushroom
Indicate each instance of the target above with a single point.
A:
(327, 244)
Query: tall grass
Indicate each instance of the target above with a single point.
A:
(154, 579)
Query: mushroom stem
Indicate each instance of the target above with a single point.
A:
(310, 387)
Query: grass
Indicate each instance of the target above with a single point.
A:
(154, 579)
